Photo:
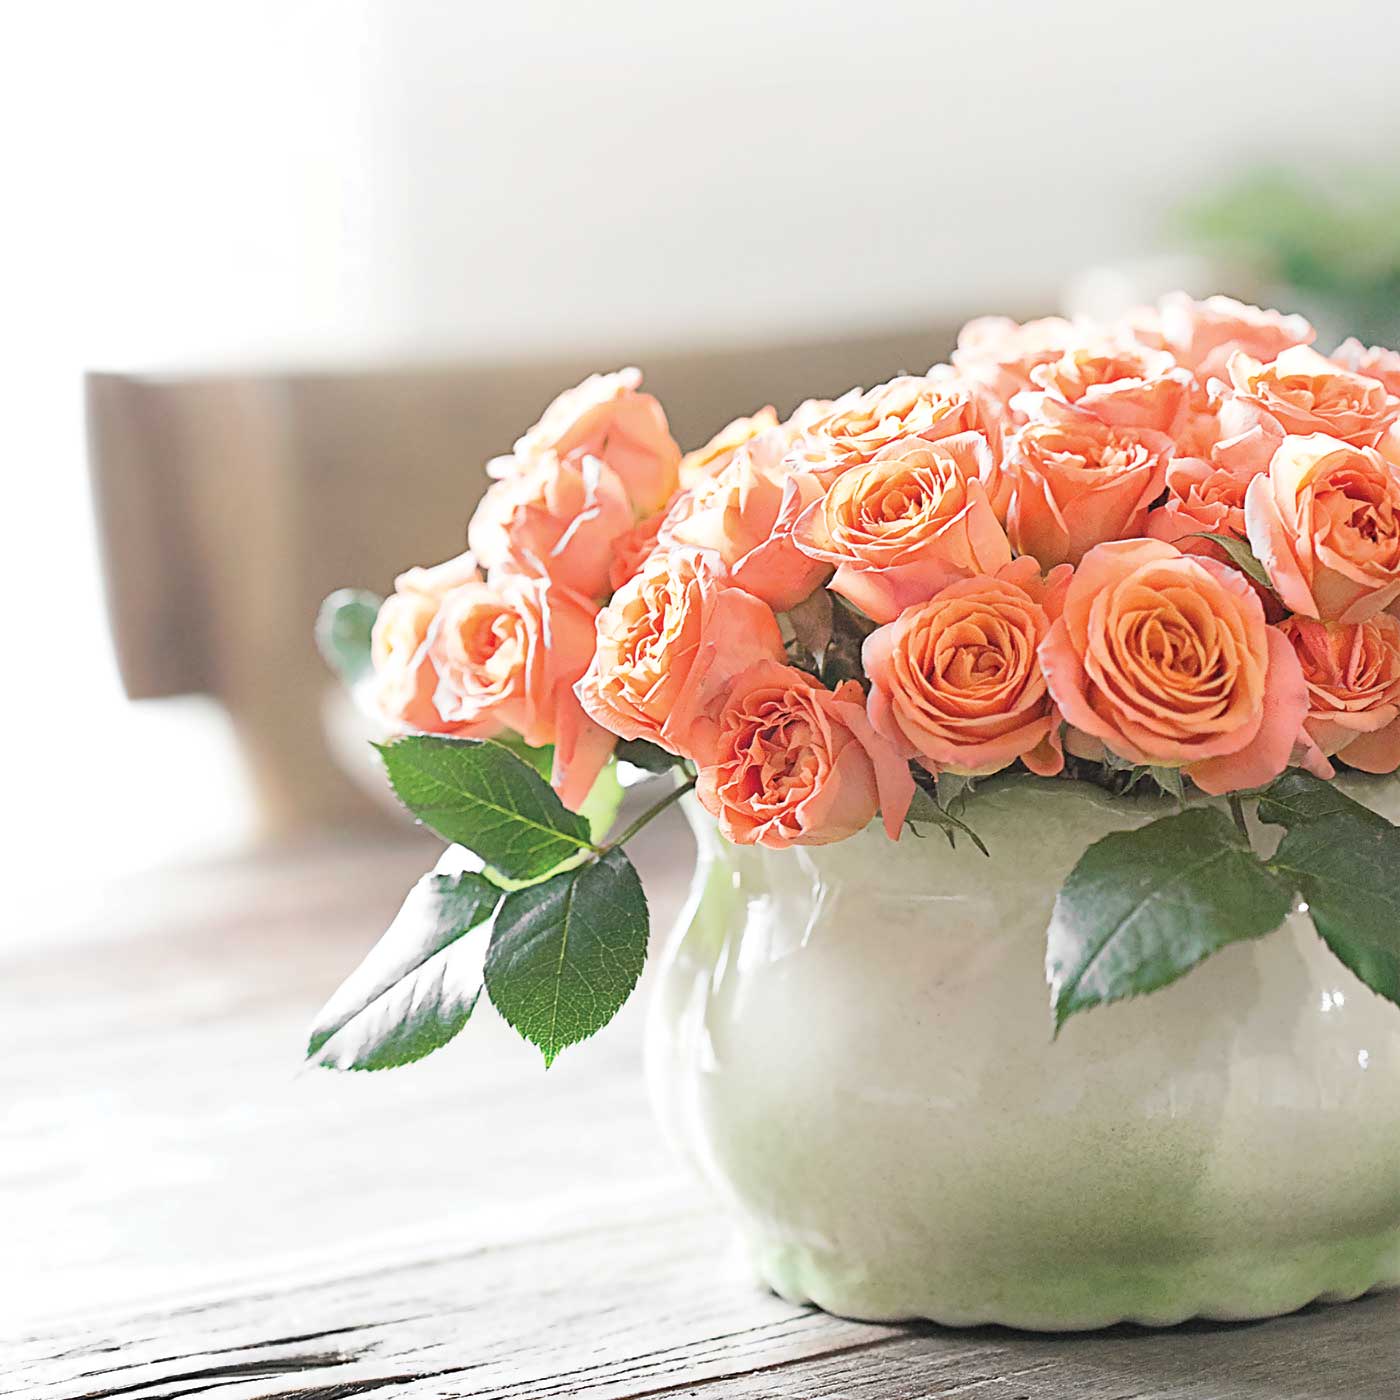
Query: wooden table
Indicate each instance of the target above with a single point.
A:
(185, 1212)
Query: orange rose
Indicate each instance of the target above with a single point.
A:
(1375, 362)
(809, 412)
(1206, 493)
(1166, 658)
(858, 425)
(1076, 482)
(716, 454)
(630, 551)
(1325, 522)
(1204, 334)
(559, 519)
(1304, 392)
(668, 642)
(1352, 672)
(1200, 498)
(1000, 355)
(789, 763)
(507, 654)
(1124, 385)
(955, 681)
(913, 519)
(745, 516)
(606, 417)
(404, 676)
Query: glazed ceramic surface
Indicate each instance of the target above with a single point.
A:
(853, 1045)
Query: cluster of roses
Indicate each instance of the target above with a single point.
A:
(1021, 538)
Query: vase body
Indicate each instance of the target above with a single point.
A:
(852, 1043)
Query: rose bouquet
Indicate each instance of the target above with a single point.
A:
(1158, 555)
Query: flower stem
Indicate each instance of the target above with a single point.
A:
(653, 811)
(1237, 811)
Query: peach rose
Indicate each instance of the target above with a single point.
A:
(1076, 482)
(745, 515)
(1206, 493)
(1304, 392)
(913, 519)
(507, 654)
(859, 424)
(1124, 385)
(1166, 659)
(808, 412)
(1000, 354)
(1200, 429)
(716, 454)
(955, 681)
(404, 676)
(1204, 334)
(630, 551)
(606, 417)
(559, 518)
(1375, 362)
(789, 763)
(1200, 499)
(1352, 670)
(1325, 522)
(668, 642)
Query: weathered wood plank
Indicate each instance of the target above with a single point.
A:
(183, 1214)
(158, 1134)
(640, 1308)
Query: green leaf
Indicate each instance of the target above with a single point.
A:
(565, 954)
(415, 990)
(1169, 780)
(343, 627)
(604, 798)
(1299, 797)
(1141, 908)
(641, 753)
(925, 811)
(1344, 859)
(1240, 555)
(478, 793)
(953, 790)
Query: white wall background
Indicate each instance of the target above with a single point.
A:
(751, 166)
(333, 179)
(351, 178)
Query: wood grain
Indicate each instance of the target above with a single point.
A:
(186, 1214)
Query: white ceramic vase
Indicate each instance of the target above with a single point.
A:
(852, 1043)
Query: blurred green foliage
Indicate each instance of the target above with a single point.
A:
(1335, 239)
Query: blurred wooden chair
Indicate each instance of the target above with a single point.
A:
(228, 506)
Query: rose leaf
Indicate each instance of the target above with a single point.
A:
(1142, 908)
(1344, 859)
(477, 792)
(1240, 555)
(642, 753)
(565, 954)
(417, 988)
(924, 810)
(343, 628)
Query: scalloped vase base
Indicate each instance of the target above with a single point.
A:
(1084, 1295)
(852, 1045)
